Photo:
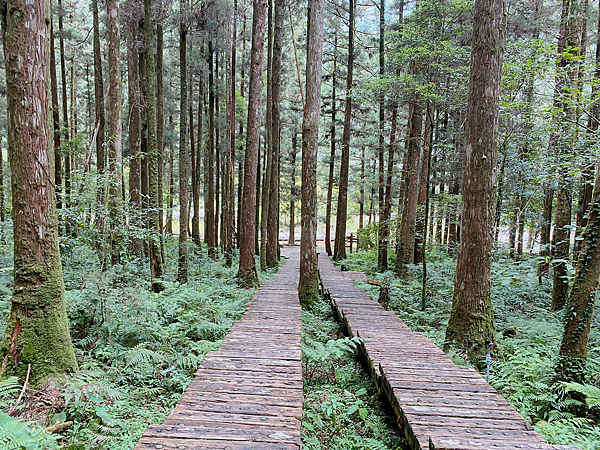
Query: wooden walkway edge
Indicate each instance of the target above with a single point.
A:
(248, 394)
(439, 405)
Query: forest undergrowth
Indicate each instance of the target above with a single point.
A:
(137, 350)
(342, 409)
(528, 339)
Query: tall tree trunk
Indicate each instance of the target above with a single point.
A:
(405, 253)
(308, 286)
(171, 184)
(273, 217)
(339, 249)
(471, 325)
(210, 173)
(565, 100)
(37, 330)
(160, 132)
(332, 155)
(56, 119)
(65, 122)
(382, 255)
(361, 207)
(114, 130)
(134, 95)
(423, 184)
(197, 166)
(580, 307)
(182, 267)
(232, 150)
(100, 122)
(247, 269)
(293, 189)
(156, 263)
(266, 191)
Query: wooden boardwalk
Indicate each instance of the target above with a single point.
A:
(248, 394)
(439, 405)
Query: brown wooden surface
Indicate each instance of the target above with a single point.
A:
(439, 405)
(248, 394)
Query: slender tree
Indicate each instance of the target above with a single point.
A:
(182, 268)
(156, 263)
(114, 129)
(471, 325)
(100, 120)
(333, 142)
(339, 250)
(308, 286)
(37, 330)
(382, 255)
(247, 269)
(273, 216)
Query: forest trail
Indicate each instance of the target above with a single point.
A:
(247, 394)
(438, 405)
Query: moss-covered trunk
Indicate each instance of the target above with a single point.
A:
(471, 325)
(580, 306)
(38, 330)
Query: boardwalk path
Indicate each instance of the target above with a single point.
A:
(439, 405)
(248, 394)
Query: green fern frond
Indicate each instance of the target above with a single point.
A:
(140, 355)
(592, 393)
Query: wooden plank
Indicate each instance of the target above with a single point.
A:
(213, 444)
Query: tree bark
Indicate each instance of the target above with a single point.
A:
(100, 120)
(156, 263)
(332, 155)
(182, 267)
(247, 269)
(308, 286)
(565, 100)
(273, 216)
(405, 254)
(339, 250)
(580, 307)
(293, 189)
(114, 130)
(65, 122)
(160, 132)
(266, 191)
(471, 325)
(37, 330)
(210, 173)
(134, 95)
(382, 254)
(56, 115)
(423, 184)
(232, 150)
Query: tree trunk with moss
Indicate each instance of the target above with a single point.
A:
(308, 286)
(471, 325)
(156, 263)
(37, 331)
(247, 275)
(580, 306)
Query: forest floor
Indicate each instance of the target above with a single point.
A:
(528, 339)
